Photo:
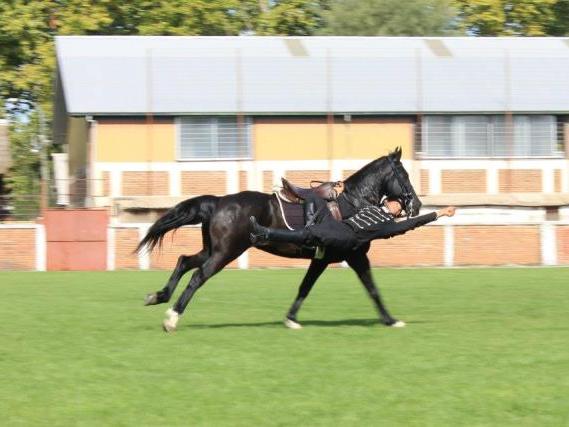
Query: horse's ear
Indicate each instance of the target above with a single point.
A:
(397, 153)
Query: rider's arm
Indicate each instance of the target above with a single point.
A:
(392, 229)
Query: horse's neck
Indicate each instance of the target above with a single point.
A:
(358, 199)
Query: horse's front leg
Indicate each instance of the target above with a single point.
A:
(360, 263)
(314, 271)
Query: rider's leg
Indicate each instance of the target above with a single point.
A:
(261, 234)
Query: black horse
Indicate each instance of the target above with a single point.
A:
(225, 234)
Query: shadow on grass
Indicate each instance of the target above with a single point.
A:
(365, 323)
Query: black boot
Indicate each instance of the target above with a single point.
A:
(309, 213)
(262, 234)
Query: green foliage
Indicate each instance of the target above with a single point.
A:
(293, 18)
(23, 181)
(390, 18)
(507, 17)
(196, 17)
(560, 25)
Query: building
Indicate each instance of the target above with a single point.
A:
(483, 123)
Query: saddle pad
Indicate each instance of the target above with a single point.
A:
(293, 214)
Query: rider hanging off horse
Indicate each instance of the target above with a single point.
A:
(323, 230)
(368, 208)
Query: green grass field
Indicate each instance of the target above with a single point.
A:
(482, 347)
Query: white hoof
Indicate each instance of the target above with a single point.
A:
(151, 299)
(399, 324)
(172, 317)
(291, 324)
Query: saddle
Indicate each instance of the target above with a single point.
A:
(325, 190)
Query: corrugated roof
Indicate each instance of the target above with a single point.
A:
(196, 75)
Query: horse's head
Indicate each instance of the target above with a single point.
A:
(397, 184)
(384, 177)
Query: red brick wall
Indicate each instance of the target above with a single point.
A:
(243, 181)
(145, 183)
(17, 249)
(519, 180)
(423, 246)
(497, 245)
(126, 240)
(303, 178)
(425, 187)
(463, 181)
(196, 183)
(563, 244)
(267, 181)
(474, 245)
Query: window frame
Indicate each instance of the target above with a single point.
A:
(423, 136)
(248, 121)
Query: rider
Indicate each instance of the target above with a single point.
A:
(369, 223)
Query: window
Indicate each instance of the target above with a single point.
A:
(490, 136)
(218, 137)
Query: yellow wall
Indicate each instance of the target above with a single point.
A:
(314, 139)
(128, 140)
(135, 141)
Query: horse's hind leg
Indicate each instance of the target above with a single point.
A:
(314, 271)
(185, 263)
(211, 266)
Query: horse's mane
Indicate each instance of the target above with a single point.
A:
(364, 186)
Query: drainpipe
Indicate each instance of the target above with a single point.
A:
(90, 164)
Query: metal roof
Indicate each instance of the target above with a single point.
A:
(263, 75)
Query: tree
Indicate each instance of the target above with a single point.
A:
(560, 24)
(197, 17)
(508, 17)
(389, 18)
(27, 63)
(23, 176)
(292, 18)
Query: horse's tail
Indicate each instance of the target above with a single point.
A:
(191, 211)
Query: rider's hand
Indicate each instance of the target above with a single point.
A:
(448, 211)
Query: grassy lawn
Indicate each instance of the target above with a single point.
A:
(482, 347)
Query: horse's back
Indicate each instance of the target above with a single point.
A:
(235, 209)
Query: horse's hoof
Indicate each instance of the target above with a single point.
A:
(399, 324)
(151, 299)
(291, 324)
(169, 324)
(167, 327)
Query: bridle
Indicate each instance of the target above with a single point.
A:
(407, 195)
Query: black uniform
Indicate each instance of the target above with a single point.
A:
(367, 224)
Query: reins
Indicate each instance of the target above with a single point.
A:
(407, 193)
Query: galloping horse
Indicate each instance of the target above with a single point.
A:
(225, 234)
